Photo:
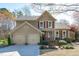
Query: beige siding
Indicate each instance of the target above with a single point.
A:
(19, 23)
(72, 35)
(19, 39)
(33, 38)
(68, 34)
(46, 16)
(24, 32)
(34, 23)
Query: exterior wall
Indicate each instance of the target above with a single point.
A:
(77, 35)
(19, 23)
(34, 23)
(72, 35)
(25, 31)
(45, 17)
(69, 34)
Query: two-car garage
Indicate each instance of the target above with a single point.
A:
(30, 39)
(26, 33)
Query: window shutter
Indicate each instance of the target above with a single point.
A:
(46, 24)
(38, 24)
(52, 24)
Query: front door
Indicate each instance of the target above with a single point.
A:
(47, 35)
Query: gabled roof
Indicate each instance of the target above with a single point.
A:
(48, 14)
(28, 25)
(22, 18)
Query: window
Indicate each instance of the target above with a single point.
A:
(64, 34)
(41, 24)
(49, 24)
(57, 33)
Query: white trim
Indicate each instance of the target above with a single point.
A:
(40, 25)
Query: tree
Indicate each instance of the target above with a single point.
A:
(76, 16)
(26, 11)
(19, 13)
(6, 22)
(7, 13)
(73, 27)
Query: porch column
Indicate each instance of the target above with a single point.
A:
(66, 33)
(53, 35)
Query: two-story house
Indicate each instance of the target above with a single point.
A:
(30, 29)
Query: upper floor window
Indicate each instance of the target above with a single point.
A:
(49, 24)
(41, 24)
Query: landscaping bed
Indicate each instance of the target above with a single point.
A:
(47, 47)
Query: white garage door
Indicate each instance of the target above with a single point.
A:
(33, 38)
(19, 39)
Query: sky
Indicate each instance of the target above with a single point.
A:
(14, 6)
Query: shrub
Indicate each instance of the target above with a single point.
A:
(68, 40)
(44, 42)
(62, 42)
(68, 46)
(3, 42)
(57, 38)
(9, 40)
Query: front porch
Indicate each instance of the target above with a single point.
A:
(47, 38)
(48, 35)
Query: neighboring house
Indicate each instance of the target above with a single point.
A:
(33, 28)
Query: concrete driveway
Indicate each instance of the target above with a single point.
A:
(20, 50)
